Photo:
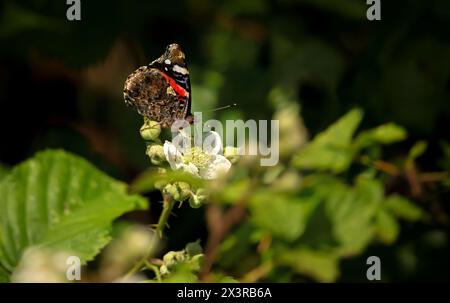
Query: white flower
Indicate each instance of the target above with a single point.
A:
(204, 161)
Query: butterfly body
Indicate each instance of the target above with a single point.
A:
(161, 90)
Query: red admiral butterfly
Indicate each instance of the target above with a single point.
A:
(161, 90)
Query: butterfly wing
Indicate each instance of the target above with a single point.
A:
(161, 91)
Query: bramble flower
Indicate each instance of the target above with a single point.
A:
(205, 161)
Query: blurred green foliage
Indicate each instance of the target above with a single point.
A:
(322, 212)
(274, 58)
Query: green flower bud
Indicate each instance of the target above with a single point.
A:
(173, 257)
(163, 270)
(156, 154)
(231, 153)
(169, 258)
(170, 190)
(198, 198)
(179, 191)
(184, 191)
(150, 130)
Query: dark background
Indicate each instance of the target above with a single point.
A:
(61, 84)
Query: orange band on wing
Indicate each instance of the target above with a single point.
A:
(178, 89)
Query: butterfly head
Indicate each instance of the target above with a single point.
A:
(174, 55)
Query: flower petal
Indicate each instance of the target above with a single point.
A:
(219, 165)
(173, 156)
(212, 143)
(182, 140)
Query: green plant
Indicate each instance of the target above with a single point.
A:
(323, 202)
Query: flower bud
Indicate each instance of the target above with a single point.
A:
(198, 198)
(156, 154)
(184, 191)
(150, 130)
(179, 191)
(173, 257)
(164, 270)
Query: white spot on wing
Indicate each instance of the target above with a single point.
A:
(179, 69)
(167, 61)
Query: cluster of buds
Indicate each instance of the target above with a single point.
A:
(204, 164)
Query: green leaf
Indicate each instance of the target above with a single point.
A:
(387, 227)
(320, 265)
(59, 201)
(352, 211)
(233, 192)
(384, 134)
(284, 216)
(3, 171)
(403, 208)
(194, 248)
(330, 150)
(417, 150)
(4, 275)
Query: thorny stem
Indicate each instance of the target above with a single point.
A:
(168, 204)
(137, 267)
(155, 269)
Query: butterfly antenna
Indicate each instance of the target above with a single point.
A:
(222, 107)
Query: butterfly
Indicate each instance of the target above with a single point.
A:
(161, 91)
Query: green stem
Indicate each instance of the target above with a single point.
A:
(168, 204)
(137, 267)
(155, 270)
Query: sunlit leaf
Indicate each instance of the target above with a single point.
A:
(330, 150)
(384, 134)
(59, 201)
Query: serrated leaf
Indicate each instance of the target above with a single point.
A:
(352, 211)
(58, 200)
(403, 208)
(330, 150)
(284, 216)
